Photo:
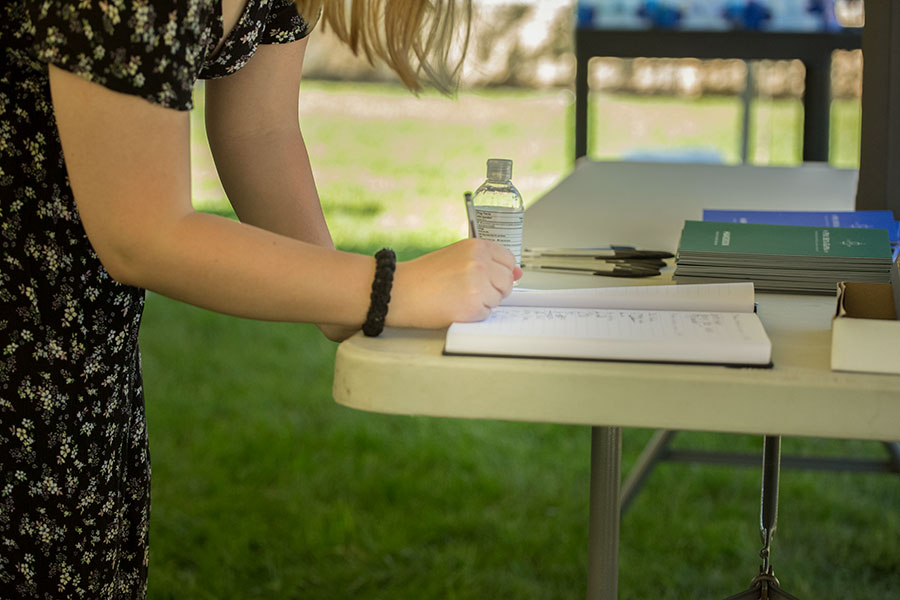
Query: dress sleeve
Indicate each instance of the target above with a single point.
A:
(148, 48)
(284, 24)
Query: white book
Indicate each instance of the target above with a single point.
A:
(707, 323)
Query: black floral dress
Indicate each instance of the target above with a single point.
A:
(74, 462)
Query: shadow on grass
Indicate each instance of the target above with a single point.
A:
(404, 251)
(360, 210)
(366, 209)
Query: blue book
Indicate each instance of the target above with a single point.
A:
(859, 219)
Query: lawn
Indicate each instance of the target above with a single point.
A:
(263, 487)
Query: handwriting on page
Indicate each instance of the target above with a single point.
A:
(609, 324)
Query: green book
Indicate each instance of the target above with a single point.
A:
(700, 238)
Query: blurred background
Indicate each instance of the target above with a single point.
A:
(263, 487)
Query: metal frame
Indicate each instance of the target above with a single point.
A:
(813, 49)
(659, 449)
(765, 586)
(879, 178)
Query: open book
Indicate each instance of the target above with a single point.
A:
(707, 323)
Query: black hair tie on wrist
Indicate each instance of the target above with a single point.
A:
(385, 263)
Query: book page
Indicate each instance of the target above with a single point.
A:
(718, 297)
(676, 336)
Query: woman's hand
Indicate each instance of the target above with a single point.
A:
(461, 282)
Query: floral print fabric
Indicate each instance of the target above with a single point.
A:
(74, 460)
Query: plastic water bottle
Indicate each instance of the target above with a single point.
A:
(499, 210)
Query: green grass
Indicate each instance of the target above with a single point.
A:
(391, 168)
(264, 487)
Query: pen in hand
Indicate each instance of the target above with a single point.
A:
(470, 215)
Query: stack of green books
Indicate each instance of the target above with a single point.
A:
(782, 258)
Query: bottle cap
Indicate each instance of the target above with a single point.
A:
(499, 169)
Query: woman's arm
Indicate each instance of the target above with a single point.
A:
(129, 167)
(254, 134)
(253, 129)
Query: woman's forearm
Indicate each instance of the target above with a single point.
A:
(238, 269)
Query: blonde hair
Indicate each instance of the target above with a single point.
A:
(413, 37)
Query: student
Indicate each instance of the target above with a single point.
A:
(95, 207)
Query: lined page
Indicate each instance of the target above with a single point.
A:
(670, 336)
(719, 297)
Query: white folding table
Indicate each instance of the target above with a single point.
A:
(642, 204)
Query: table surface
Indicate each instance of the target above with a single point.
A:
(404, 371)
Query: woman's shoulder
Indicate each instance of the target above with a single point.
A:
(151, 48)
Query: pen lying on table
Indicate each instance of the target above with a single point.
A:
(608, 252)
(593, 263)
(608, 261)
(588, 262)
(613, 271)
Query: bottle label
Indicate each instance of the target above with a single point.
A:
(503, 226)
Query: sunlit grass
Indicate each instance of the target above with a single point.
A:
(391, 168)
(623, 126)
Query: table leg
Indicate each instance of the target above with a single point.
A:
(582, 93)
(817, 109)
(603, 535)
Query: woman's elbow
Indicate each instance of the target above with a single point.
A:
(120, 263)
